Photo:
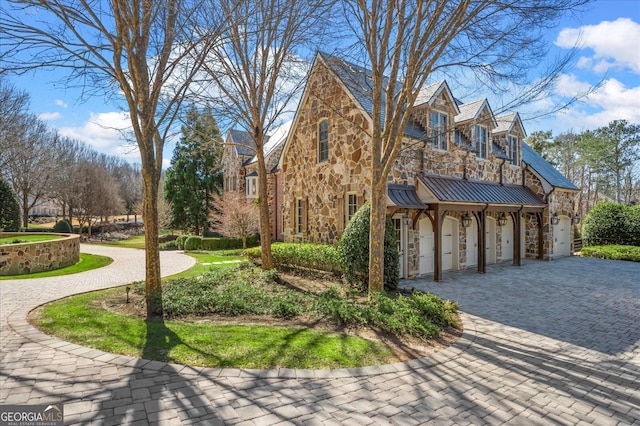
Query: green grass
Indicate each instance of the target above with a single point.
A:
(135, 241)
(207, 261)
(87, 262)
(73, 319)
(28, 238)
(613, 252)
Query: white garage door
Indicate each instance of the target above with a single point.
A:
(507, 240)
(472, 243)
(426, 246)
(490, 240)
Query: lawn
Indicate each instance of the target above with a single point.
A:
(77, 320)
(208, 260)
(87, 262)
(28, 238)
(135, 241)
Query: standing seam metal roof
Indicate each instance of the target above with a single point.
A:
(544, 169)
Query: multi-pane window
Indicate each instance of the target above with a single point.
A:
(481, 139)
(351, 207)
(323, 140)
(298, 216)
(439, 130)
(513, 149)
(252, 187)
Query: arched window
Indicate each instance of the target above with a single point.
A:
(323, 140)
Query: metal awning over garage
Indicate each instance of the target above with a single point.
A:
(448, 189)
(404, 196)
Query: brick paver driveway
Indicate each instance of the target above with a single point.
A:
(547, 343)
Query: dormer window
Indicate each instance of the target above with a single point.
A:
(323, 141)
(512, 142)
(480, 138)
(438, 125)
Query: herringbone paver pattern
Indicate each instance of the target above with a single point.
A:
(548, 343)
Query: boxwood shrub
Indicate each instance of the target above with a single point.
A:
(613, 252)
(213, 244)
(193, 242)
(180, 241)
(321, 257)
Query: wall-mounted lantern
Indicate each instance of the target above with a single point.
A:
(466, 220)
(576, 219)
(502, 220)
(555, 219)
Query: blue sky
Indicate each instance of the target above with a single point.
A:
(609, 38)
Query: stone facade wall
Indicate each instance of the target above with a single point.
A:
(25, 258)
(322, 187)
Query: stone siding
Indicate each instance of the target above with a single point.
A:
(25, 258)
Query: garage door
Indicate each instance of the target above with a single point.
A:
(426, 246)
(472, 243)
(507, 240)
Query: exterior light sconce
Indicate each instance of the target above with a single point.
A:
(502, 220)
(407, 220)
(555, 219)
(466, 220)
(576, 219)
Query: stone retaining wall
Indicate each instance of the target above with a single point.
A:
(25, 258)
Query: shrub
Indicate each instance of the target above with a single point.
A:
(169, 245)
(62, 227)
(193, 242)
(180, 241)
(319, 257)
(613, 252)
(612, 223)
(213, 244)
(9, 208)
(353, 250)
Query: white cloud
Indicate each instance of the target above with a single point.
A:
(614, 44)
(50, 116)
(61, 103)
(106, 132)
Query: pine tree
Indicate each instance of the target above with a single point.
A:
(195, 174)
(9, 208)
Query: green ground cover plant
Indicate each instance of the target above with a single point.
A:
(612, 252)
(87, 262)
(75, 319)
(134, 241)
(294, 256)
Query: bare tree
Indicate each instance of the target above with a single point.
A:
(403, 42)
(235, 216)
(14, 111)
(140, 52)
(257, 72)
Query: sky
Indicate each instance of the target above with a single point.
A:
(608, 36)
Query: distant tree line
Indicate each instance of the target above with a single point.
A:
(42, 166)
(604, 163)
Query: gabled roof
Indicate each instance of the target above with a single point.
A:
(358, 81)
(404, 196)
(498, 151)
(507, 122)
(243, 142)
(431, 92)
(473, 110)
(545, 170)
(456, 190)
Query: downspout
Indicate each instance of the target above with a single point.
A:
(501, 172)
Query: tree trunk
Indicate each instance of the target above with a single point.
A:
(153, 283)
(25, 210)
(265, 222)
(376, 238)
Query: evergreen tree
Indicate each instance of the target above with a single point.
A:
(9, 208)
(195, 174)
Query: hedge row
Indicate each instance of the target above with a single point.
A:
(320, 257)
(613, 252)
(194, 242)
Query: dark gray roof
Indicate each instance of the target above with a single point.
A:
(451, 189)
(358, 81)
(252, 174)
(544, 169)
(404, 196)
(243, 142)
(462, 141)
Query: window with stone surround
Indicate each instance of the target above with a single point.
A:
(438, 126)
(481, 139)
(351, 206)
(252, 186)
(298, 218)
(323, 140)
(512, 142)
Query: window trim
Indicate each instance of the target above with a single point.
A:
(349, 196)
(439, 138)
(323, 144)
(513, 149)
(298, 218)
(477, 130)
(251, 187)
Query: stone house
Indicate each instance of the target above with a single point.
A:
(466, 191)
(241, 173)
